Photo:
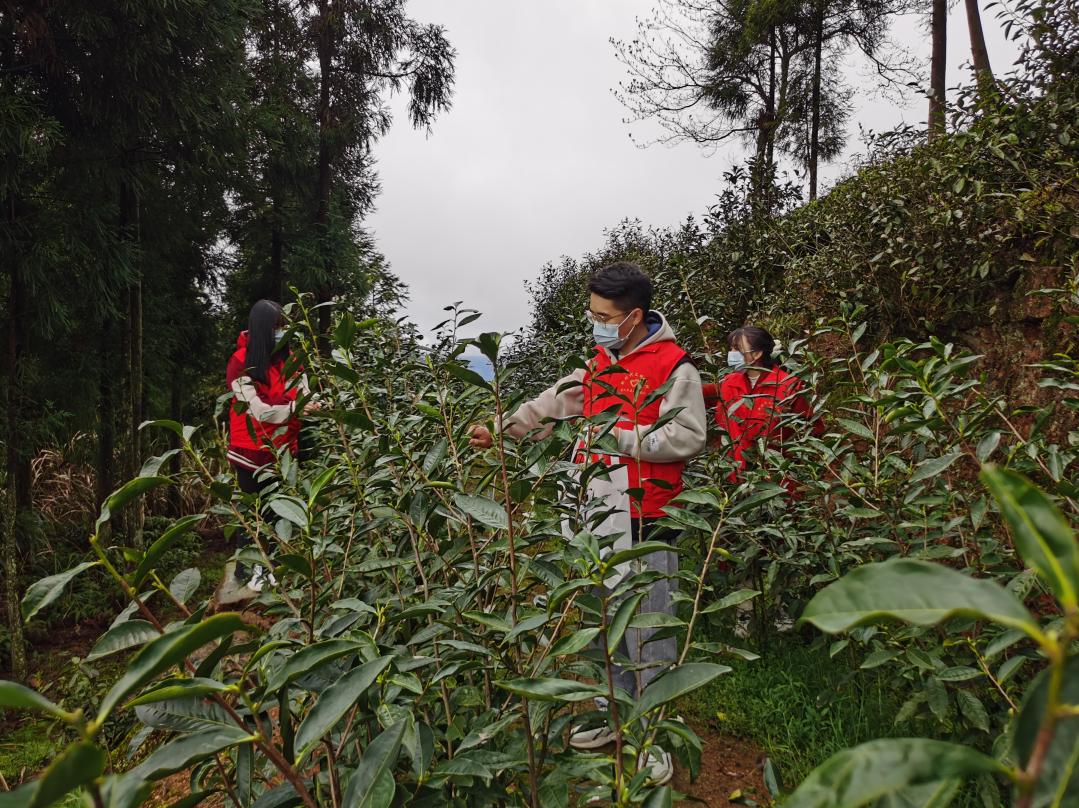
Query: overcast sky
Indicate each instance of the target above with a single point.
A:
(533, 161)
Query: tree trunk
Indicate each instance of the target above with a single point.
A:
(322, 216)
(15, 497)
(765, 146)
(106, 415)
(939, 61)
(176, 403)
(814, 133)
(277, 275)
(131, 518)
(983, 72)
(138, 392)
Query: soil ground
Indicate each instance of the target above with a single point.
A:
(730, 767)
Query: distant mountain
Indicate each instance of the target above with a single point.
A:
(480, 364)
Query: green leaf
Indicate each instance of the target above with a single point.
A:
(879, 657)
(855, 428)
(620, 621)
(883, 768)
(435, 455)
(1040, 532)
(160, 546)
(987, 445)
(290, 509)
(959, 673)
(483, 510)
(152, 466)
(332, 705)
(575, 642)
(466, 375)
(545, 689)
(308, 659)
(528, 624)
(20, 697)
(659, 798)
(489, 620)
(676, 683)
(638, 550)
(378, 759)
(179, 689)
(764, 493)
(185, 583)
(41, 593)
(125, 494)
(973, 710)
(164, 652)
(121, 637)
(731, 599)
(656, 620)
(481, 736)
(188, 750)
(1058, 785)
(78, 765)
(937, 794)
(936, 695)
(915, 592)
(18, 797)
(934, 466)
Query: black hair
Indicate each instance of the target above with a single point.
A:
(264, 319)
(758, 339)
(625, 284)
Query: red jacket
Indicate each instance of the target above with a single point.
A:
(747, 411)
(643, 372)
(249, 439)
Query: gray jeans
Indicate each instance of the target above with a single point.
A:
(656, 656)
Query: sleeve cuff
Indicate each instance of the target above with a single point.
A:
(627, 441)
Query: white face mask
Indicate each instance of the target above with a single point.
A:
(606, 334)
(278, 335)
(736, 359)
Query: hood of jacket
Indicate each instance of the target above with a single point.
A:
(659, 330)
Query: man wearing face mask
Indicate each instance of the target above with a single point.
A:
(636, 355)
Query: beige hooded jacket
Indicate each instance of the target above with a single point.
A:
(682, 438)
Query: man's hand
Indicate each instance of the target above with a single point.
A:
(481, 437)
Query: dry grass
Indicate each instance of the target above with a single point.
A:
(65, 485)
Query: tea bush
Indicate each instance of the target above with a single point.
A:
(405, 653)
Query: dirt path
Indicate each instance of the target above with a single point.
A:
(729, 766)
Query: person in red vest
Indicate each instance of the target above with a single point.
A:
(759, 399)
(263, 417)
(636, 354)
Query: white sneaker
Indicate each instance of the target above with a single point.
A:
(659, 765)
(260, 577)
(231, 590)
(581, 738)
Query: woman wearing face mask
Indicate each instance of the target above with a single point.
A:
(759, 398)
(263, 417)
(635, 356)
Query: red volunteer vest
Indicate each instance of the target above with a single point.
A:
(275, 391)
(641, 373)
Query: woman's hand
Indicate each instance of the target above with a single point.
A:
(312, 406)
(481, 437)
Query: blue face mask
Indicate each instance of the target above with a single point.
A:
(606, 334)
(278, 335)
(735, 359)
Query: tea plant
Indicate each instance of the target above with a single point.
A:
(1039, 758)
(406, 658)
